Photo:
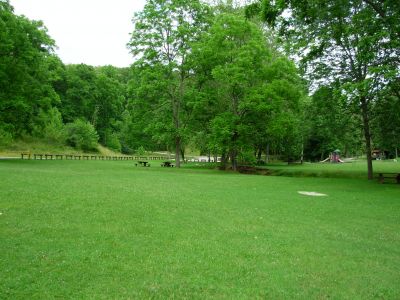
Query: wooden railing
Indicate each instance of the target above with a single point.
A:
(42, 156)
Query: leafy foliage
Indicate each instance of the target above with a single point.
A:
(51, 126)
(81, 135)
(162, 39)
(26, 60)
(257, 91)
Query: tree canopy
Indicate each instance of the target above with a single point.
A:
(26, 71)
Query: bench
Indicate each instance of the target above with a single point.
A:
(48, 155)
(38, 155)
(383, 176)
(167, 164)
(28, 154)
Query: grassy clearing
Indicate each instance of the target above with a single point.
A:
(91, 229)
(356, 169)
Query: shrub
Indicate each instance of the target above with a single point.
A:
(112, 141)
(81, 135)
(54, 127)
(141, 151)
(248, 158)
(6, 137)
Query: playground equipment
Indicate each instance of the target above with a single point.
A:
(334, 157)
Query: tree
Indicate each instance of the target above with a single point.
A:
(253, 87)
(355, 42)
(108, 106)
(331, 124)
(148, 108)
(78, 92)
(26, 62)
(386, 117)
(162, 38)
(235, 50)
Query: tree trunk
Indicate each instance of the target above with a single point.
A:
(367, 135)
(267, 154)
(302, 153)
(223, 161)
(234, 160)
(183, 154)
(234, 151)
(176, 107)
(177, 152)
(259, 154)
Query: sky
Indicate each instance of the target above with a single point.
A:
(93, 32)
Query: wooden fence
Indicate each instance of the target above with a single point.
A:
(39, 156)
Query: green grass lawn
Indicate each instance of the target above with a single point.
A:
(108, 230)
(356, 169)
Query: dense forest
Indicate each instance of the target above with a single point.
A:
(292, 79)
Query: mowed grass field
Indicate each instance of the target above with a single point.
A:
(110, 230)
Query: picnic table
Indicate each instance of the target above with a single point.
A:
(382, 176)
(143, 163)
(167, 164)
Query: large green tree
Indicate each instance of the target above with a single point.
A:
(149, 109)
(26, 63)
(255, 91)
(355, 42)
(162, 38)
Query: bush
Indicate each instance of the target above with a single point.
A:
(54, 128)
(112, 141)
(141, 151)
(6, 137)
(248, 158)
(81, 135)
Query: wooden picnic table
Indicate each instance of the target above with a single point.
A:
(167, 164)
(382, 176)
(143, 163)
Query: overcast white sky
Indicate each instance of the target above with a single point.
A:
(94, 32)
